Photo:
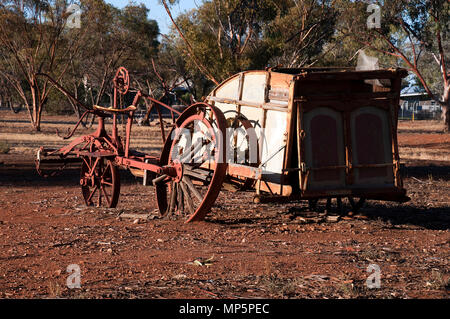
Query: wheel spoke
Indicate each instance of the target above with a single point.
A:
(173, 197)
(196, 165)
(199, 174)
(188, 198)
(192, 188)
(87, 164)
(106, 195)
(196, 147)
(160, 179)
(93, 167)
(89, 199)
(180, 199)
(100, 182)
(107, 169)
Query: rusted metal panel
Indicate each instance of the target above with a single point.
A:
(352, 75)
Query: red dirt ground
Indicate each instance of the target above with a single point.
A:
(256, 250)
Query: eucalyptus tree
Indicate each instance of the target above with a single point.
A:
(222, 37)
(414, 33)
(33, 35)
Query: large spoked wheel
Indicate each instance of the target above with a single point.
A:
(100, 182)
(195, 151)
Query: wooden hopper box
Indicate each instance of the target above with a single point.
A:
(322, 133)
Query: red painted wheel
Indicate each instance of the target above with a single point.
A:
(100, 182)
(195, 149)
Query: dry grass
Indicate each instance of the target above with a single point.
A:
(19, 137)
(425, 126)
(22, 139)
(425, 154)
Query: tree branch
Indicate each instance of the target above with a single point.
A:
(201, 67)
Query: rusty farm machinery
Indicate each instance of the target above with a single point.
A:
(289, 134)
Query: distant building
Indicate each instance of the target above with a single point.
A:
(418, 106)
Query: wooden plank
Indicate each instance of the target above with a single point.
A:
(349, 173)
(345, 106)
(291, 128)
(279, 94)
(348, 96)
(268, 106)
(352, 75)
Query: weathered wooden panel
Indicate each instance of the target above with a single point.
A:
(274, 140)
(254, 87)
(246, 93)
(279, 95)
(228, 89)
(324, 148)
(279, 87)
(371, 145)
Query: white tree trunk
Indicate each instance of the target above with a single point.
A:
(446, 107)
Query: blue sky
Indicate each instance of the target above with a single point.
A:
(157, 11)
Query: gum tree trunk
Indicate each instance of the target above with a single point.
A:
(446, 108)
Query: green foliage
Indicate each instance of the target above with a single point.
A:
(218, 32)
(297, 35)
(408, 32)
(186, 97)
(229, 36)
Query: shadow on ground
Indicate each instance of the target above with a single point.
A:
(435, 218)
(392, 214)
(26, 175)
(425, 170)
